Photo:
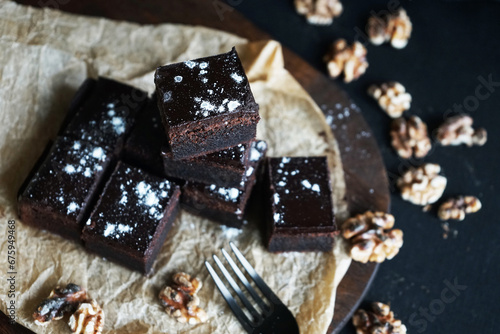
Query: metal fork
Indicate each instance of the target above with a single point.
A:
(273, 318)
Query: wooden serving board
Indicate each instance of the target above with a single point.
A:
(366, 179)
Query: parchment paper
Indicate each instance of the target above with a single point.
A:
(45, 57)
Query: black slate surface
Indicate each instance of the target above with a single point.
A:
(453, 45)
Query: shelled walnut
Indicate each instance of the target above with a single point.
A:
(319, 12)
(391, 97)
(394, 27)
(409, 137)
(371, 238)
(422, 185)
(378, 320)
(180, 300)
(87, 319)
(458, 130)
(59, 303)
(457, 208)
(349, 59)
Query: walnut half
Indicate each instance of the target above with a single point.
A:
(422, 185)
(394, 27)
(180, 300)
(349, 59)
(371, 238)
(458, 130)
(319, 12)
(457, 208)
(87, 319)
(392, 97)
(59, 303)
(410, 138)
(378, 320)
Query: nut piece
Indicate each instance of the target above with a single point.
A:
(457, 208)
(458, 130)
(87, 319)
(371, 237)
(391, 97)
(378, 320)
(319, 12)
(395, 27)
(409, 137)
(180, 300)
(59, 302)
(422, 185)
(348, 59)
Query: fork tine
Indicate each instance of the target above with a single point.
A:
(240, 315)
(236, 288)
(245, 282)
(255, 277)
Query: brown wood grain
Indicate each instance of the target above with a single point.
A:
(367, 185)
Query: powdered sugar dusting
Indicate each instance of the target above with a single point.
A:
(167, 96)
(70, 169)
(191, 64)
(236, 77)
(98, 153)
(233, 105)
(72, 207)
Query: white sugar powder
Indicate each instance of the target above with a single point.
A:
(254, 154)
(233, 105)
(190, 63)
(306, 184)
(276, 198)
(98, 153)
(118, 125)
(69, 169)
(151, 199)
(207, 106)
(167, 96)
(110, 229)
(142, 189)
(72, 207)
(237, 78)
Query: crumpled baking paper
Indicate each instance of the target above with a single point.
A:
(45, 56)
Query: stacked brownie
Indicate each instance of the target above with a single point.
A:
(210, 119)
(123, 162)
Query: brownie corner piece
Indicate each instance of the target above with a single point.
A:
(206, 104)
(300, 214)
(132, 218)
(59, 194)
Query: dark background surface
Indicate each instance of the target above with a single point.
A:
(453, 43)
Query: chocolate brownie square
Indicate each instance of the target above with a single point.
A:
(206, 105)
(222, 204)
(60, 193)
(300, 213)
(132, 218)
(227, 168)
(144, 144)
(106, 115)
